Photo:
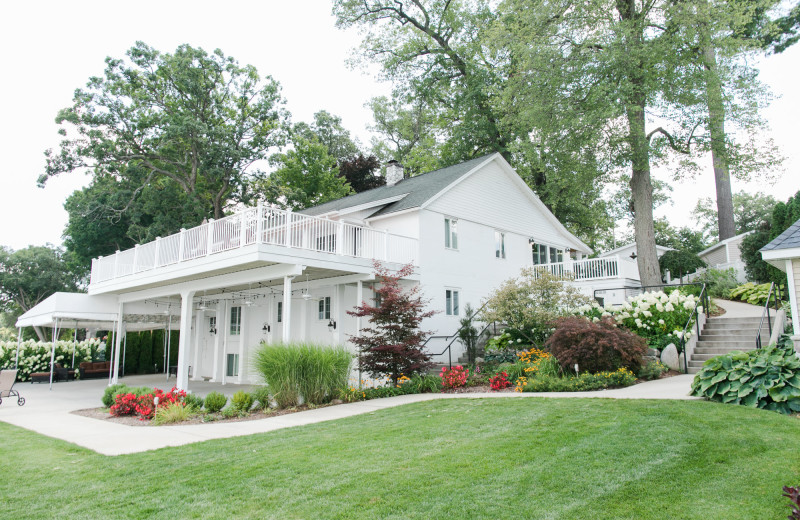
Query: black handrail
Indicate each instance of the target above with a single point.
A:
(777, 289)
(455, 336)
(696, 316)
(705, 300)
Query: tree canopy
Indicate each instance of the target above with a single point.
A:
(750, 211)
(195, 119)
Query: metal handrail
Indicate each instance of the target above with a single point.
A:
(454, 336)
(705, 299)
(777, 289)
(696, 316)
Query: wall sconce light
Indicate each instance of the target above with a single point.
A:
(266, 328)
(213, 330)
(331, 325)
(633, 255)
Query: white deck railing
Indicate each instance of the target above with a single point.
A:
(259, 225)
(594, 269)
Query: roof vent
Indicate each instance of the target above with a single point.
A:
(394, 172)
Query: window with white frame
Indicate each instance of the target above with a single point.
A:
(212, 324)
(543, 254)
(236, 321)
(232, 366)
(325, 308)
(499, 244)
(451, 302)
(280, 312)
(451, 233)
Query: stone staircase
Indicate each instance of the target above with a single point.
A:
(723, 335)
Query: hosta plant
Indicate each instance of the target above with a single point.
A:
(766, 378)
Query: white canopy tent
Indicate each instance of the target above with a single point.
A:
(80, 310)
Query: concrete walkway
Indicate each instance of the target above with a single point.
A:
(740, 309)
(47, 412)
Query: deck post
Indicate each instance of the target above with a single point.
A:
(287, 309)
(117, 341)
(210, 236)
(184, 341)
(259, 222)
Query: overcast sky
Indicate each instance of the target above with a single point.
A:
(53, 48)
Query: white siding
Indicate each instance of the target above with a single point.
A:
(490, 197)
(716, 257)
(734, 250)
(404, 224)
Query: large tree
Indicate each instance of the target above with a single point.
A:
(30, 275)
(196, 119)
(361, 173)
(328, 130)
(750, 211)
(304, 177)
(448, 102)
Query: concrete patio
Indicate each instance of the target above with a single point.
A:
(48, 412)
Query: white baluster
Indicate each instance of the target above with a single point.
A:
(210, 236)
(259, 221)
(288, 228)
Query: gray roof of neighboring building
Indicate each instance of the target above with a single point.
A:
(789, 239)
(418, 190)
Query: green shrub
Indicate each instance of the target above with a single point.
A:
(293, 371)
(422, 384)
(110, 393)
(173, 413)
(753, 294)
(766, 378)
(194, 401)
(595, 346)
(386, 391)
(215, 402)
(652, 370)
(719, 282)
(581, 383)
(242, 401)
(262, 397)
(548, 366)
(231, 413)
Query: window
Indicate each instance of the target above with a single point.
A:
(212, 324)
(451, 302)
(451, 233)
(499, 244)
(543, 254)
(280, 312)
(236, 321)
(325, 308)
(232, 367)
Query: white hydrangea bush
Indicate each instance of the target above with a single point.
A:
(658, 317)
(34, 356)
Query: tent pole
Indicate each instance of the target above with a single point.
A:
(19, 342)
(110, 351)
(74, 342)
(53, 352)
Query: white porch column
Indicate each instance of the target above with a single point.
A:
(19, 343)
(117, 342)
(243, 337)
(338, 315)
(184, 342)
(359, 301)
(198, 327)
(223, 327)
(215, 375)
(791, 287)
(287, 309)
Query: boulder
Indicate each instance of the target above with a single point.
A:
(653, 352)
(669, 356)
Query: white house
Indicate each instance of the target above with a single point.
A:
(726, 254)
(273, 275)
(784, 253)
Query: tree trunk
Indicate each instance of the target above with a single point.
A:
(716, 127)
(641, 185)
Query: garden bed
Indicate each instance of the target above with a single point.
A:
(130, 420)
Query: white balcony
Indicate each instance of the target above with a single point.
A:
(261, 225)
(591, 269)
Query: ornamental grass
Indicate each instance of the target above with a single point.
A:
(302, 371)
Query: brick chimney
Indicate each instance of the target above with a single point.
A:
(394, 172)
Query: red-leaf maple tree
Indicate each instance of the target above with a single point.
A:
(392, 343)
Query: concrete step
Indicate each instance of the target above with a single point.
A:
(734, 324)
(727, 343)
(731, 332)
(718, 351)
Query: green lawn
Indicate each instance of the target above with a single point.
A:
(489, 458)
